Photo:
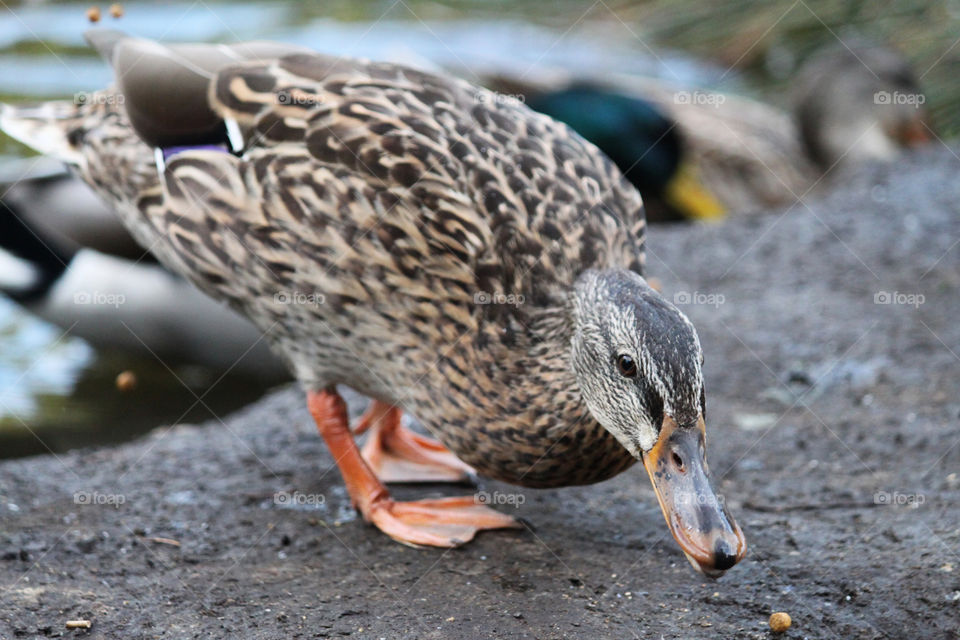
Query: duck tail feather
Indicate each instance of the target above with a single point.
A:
(44, 127)
(104, 40)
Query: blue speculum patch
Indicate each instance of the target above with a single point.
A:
(169, 152)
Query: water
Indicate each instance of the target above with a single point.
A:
(56, 392)
(385, 31)
(38, 359)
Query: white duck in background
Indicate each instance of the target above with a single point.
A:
(66, 258)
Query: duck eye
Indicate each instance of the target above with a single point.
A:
(627, 366)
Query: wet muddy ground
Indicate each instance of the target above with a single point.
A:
(832, 345)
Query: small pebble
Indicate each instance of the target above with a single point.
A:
(126, 381)
(93, 14)
(78, 624)
(116, 10)
(780, 622)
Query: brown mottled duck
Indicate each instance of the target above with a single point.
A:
(443, 251)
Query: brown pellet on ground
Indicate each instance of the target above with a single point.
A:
(780, 622)
(126, 381)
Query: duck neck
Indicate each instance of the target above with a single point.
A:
(522, 418)
(534, 356)
(542, 359)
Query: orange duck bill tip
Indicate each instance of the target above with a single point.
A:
(696, 515)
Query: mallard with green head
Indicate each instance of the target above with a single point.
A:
(642, 141)
(407, 234)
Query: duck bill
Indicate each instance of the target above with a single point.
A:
(697, 517)
(915, 133)
(688, 195)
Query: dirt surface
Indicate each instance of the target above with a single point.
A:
(832, 425)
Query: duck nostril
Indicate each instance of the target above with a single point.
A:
(677, 460)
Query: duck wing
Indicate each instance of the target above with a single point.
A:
(354, 176)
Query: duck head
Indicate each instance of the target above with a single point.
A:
(642, 140)
(637, 360)
(859, 102)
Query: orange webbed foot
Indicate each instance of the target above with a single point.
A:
(443, 522)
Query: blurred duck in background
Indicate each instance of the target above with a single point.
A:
(65, 257)
(697, 154)
(643, 141)
(860, 103)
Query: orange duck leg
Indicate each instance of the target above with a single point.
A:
(444, 522)
(398, 454)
